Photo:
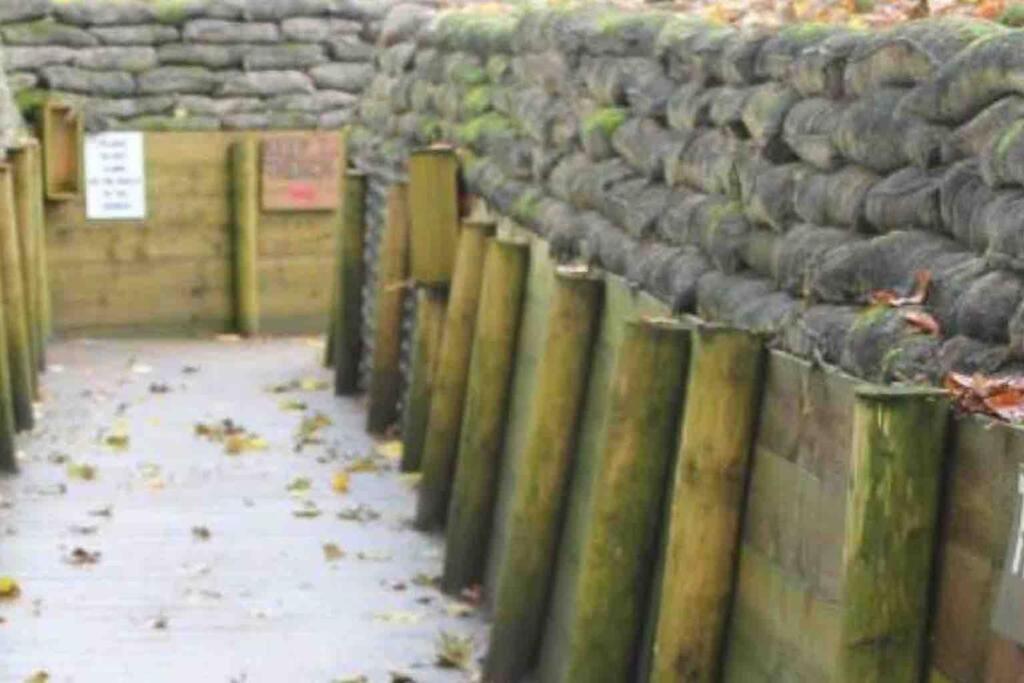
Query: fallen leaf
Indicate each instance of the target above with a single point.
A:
(159, 623)
(292, 405)
(9, 588)
(80, 557)
(299, 484)
(333, 552)
(398, 617)
(358, 513)
(117, 440)
(458, 609)
(361, 465)
(922, 321)
(917, 296)
(309, 428)
(473, 595)
(426, 581)
(38, 677)
(373, 557)
(392, 450)
(159, 388)
(83, 530)
(309, 510)
(81, 471)
(105, 511)
(201, 533)
(312, 384)
(340, 482)
(141, 369)
(189, 369)
(454, 652)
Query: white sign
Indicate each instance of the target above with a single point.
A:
(115, 177)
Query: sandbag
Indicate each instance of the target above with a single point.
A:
(909, 53)
(779, 52)
(819, 332)
(669, 273)
(676, 225)
(726, 108)
(608, 79)
(722, 231)
(1002, 160)
(766, 191)
(835, 198)
(565, 173)
(969, 356)
(871, 133)
(635, 204)
(818, 70)
(992, 67)
(641, 143)
(963, 195)
(974, 136)
(765, 110)
(590, 183)
(905, 200)
(689, 46)
(808, 129)
(745, 302)
(987, 306)
(708, 163)
(1003, 220)
(801, 251)
(689, 107)
(882, 346)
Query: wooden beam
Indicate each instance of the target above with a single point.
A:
(544, 468)
(891, 519)
(431, 303)
(618, 552)
(440, 448)
(486, 407)
(245, 172)
(24, 161)
(348, 338)
(18, 347)
(392, 273)
(434, 210)
(726, 372)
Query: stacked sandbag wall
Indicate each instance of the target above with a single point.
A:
(774, 179)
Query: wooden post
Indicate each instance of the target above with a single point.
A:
(441, 445)
(42, 288)
(434, 207)
(544, 469)
(431, 303)
(348, 339)
(8, 424)
(891, 515)
(486, 407)
(392, 272)
(719, 421)
(245, 162)
(14, 305)
(335, 296)
(25, 176)
(619, 548)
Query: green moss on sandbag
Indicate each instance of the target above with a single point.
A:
(490, 124)
(1013, 15)
(477, 101)
(606, 120)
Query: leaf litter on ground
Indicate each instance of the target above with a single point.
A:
(359, 513)
(235, 438)
(80, 557)
(309, 430)
(9, 588)
(302, 384)
(81, 471)
(454, 651)
(333, 552)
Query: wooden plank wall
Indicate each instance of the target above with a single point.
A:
(171, 273)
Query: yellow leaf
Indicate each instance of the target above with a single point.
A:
(117, 441)
(9, 588)
(339, 482)
(366, 464)
(81, 471)
(312, 384)
(392, 450)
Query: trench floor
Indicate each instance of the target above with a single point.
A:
(291, 560)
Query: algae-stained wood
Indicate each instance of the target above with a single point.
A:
(22, 364)
(784, 621)
(351, 279)
(431, 304)
(607, 555)
(25, 161)
(717, 434)
(182, 251)
(245, 233)
(537, 510)
(392, 273)
(621, 305)
(434, 208)
(441, 444)
(471, 511)
(62, 132)
(532, 328)
(891, 519)
(978, 511)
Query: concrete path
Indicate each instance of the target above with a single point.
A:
(181, 562)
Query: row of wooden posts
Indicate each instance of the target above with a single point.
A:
(25, 297)
(654, 566)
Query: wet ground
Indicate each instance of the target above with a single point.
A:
(152, 541)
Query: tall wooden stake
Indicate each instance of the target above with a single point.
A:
(431, 303)
(726, 373)
(25, 177)
(392, 273)
(441, 445)
(434, 206)
(891, 515)
(348, 334)
(544, 470)
(617, 554)
(245, 162)
(14, 304)
(483, 421)
(42, 289)
(8, 425)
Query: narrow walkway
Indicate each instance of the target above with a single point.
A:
(182, 562)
